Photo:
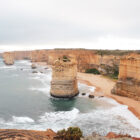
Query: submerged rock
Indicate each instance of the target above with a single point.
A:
(101, 96)
(33, 66)
(83, 94)
(91, 96)
(34, 72)
(41, 72)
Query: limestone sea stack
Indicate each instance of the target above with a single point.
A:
(128, 83)
(64, 78)
(8, 58)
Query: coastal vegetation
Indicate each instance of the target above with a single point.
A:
(113, 52)
(93, 71)
(111, 73)
(72, 133)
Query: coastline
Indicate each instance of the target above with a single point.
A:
(103, 87)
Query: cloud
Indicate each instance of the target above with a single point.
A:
(34, 22)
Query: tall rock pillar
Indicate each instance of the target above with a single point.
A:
(64, 78)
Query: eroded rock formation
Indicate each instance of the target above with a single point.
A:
(8, 58)
(128, 83)
(105, 62)
(64, 78)
(86, 59)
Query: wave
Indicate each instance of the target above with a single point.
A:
(25, 62)
(22, 120)
(45, 80)
(118, 119)
(49, 120)
(17, 123)
(59, 120)
(8, 67)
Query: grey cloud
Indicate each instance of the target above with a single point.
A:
(43, 21)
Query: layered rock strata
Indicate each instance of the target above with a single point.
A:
(105, 63)
(128, 83)
(14, 134)
(86, 59)
(64, 78)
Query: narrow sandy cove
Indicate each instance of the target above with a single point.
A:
(103, 88)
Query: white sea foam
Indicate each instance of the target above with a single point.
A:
(22, 120)
(8, 67)
(83, 88)
(59, 120)
(45, 80)
(117, 119)
(23, 62)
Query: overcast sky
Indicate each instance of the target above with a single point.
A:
(92, 24)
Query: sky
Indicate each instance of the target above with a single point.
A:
(90, 24)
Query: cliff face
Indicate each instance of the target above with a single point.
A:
(8, 58)
(39, 56)
(86, 59)
(129, 77)
(64, 78)
(20, 55)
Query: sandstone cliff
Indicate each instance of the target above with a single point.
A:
(128, 83)
(86, 59)
(64, 78)
(107, 62)
(17, 55)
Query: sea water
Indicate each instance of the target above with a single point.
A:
(25, 103)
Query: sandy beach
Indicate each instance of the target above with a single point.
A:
(103, 87)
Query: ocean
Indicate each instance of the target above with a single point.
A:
(25, 103)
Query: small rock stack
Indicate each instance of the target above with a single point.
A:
(8, 58)
(64, 78)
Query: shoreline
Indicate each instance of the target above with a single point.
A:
(103, 87)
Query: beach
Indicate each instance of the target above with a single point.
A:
(103, 87)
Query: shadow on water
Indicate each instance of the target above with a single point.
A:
(63, 104)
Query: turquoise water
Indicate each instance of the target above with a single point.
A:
(25, 103)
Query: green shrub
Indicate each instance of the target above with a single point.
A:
(65, 58)
(115, 74)
(94, 71)
(72, 133)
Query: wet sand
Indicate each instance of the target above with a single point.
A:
(103, 87)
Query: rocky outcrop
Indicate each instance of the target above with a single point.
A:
(128, 83)
(8, 58)
(64, 78)
(14, 134)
